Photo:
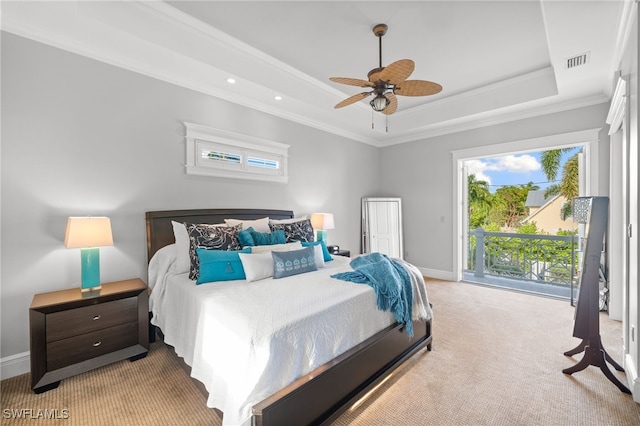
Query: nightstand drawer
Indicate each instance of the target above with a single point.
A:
(77, 321)
(90, 345)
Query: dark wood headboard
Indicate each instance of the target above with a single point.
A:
(160, 230)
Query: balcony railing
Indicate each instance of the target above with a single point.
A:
(549, 259)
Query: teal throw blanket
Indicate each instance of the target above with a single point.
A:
(390, 281)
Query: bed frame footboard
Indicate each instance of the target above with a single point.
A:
(322, 395)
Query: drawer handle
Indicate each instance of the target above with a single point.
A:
(96, 317)
(96, 344)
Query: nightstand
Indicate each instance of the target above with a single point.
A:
(73, 332)
(345, 253)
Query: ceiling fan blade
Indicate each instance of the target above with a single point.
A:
(352, 99)
(417, 88)
(397, 72)
(393, 104)
(352, 81)
(374, 75)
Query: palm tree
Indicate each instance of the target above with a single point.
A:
(480, 200)
(568, 186)
(550, 161)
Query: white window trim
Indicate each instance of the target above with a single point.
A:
(199, 137)
(587, 138)
(617, 108)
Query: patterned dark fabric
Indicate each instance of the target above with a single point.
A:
(296, 231)
(210, 237)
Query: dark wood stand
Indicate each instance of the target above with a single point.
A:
(594, 211)
(73, 332)
(594, 354)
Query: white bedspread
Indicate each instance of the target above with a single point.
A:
(244, 341)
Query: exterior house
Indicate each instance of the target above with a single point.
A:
(545, 212)
(94, 106)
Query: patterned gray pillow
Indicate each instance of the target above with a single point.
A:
(287, 263)
(296, 231)
(211, 237)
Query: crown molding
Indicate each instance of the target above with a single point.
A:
(629, 12)
(189, 22)
(125, 34)
(494, 118)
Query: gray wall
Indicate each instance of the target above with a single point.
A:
(421, 173)
(83, 138)
(80, 137)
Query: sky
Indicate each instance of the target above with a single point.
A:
(515, 169)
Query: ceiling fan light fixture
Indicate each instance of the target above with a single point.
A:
(379, 103)
(387, 82)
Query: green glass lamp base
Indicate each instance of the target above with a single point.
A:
(321, 235)
(90, 261)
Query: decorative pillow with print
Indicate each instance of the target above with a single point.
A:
(210, 237)
(296, 231)
(288, 263)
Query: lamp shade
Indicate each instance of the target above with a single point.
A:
(322, 221)
(84, 232)
(379, 103)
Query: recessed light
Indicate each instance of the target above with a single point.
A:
(231, 80)
(278, 98)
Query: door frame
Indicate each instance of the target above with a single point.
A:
(619, 194)
(365, 237)
(588, 138)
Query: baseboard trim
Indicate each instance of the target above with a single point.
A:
(15, 365)
(632, 377)
(436, 273)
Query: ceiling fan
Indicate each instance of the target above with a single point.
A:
(387, 82)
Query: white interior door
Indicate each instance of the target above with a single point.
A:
(382, 226)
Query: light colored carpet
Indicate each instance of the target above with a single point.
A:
(154, 390)
(497, 360)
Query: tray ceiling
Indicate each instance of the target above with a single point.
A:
(496, 60)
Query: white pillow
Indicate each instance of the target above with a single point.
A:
(182, 247)
(296, 245)
(257, 266)
(258, 225)
(294, 220)
(161, 262)
(318, 255)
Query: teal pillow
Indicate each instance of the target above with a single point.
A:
(287, 263)
(246, 238)
(268, 239)
(220, 265)
(325, 251)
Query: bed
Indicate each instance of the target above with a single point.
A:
(328, 385)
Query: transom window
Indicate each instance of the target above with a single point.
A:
(215, 152)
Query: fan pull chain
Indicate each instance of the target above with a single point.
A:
(386, 122)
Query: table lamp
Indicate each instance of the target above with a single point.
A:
(89, 233)
(321, 222)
